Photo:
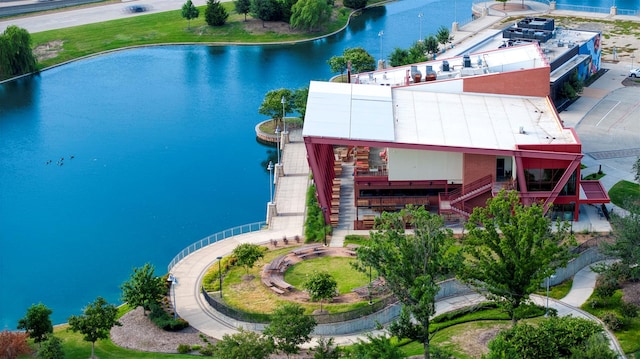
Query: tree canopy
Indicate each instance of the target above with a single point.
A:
(248, 254)
(190, 11)
(13, 344)
(16, 56)
(242, 7)
(242, 345)
(51, 348)
(355, 4)
(37, 322)
(272, 104)
(442, 35)
(510, 249)
(626, 247)
(143, 288)
(411, 264)
(266, 10)
(361, 61)
(289, 328)
(321, 286)
(309, 14)
(96, 321)
(215, 14)
(300, 101)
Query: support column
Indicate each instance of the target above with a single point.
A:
(271, 212)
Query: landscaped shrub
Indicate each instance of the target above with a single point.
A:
(595, 303)
(184, 348)
(164, 321)
(629, 310)
(606, 285)
(612, 321)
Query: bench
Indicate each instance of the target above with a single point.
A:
(267, 282)
(277, 290)
(313, 253)
(306, 249)
(352, 253)
(280, 283)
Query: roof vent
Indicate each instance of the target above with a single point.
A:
(521, 130)
(466, 60)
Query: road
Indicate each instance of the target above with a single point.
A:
(88, 15)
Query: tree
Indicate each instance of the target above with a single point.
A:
(321, 286)
(13, 344)
(248, 254)
(300, 101)
(16, 56)
(417, 52)
(595, 347)
(190, 11)
(265, 10)
(510, 249)
(244, 344)
(411, 264)
(377, 347)
(272, 104)
(636, 170)
(143, 288)
(215, 14)
(242, 7)
(96, 321)
(51, 348)
(355, 4)
(626, 230)
(442, 35)
(431, 44)
(326, 349)
(504, 3)
(361, 60)
(37, 322)
(289, 328)
(399, 57)
(554, 337)
(309, 14)
(337, 64)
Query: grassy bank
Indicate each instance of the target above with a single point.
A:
(167, 28)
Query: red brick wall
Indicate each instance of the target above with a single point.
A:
(531, 82)
(478, 166)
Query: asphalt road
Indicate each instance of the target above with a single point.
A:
(99, 13)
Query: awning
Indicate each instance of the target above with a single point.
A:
(593, 192)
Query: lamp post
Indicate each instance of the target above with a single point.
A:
(284, 122)
(220, 273)
(278, 144)
(420, 16)
(380, 34)
(324, 224)
(270, 168)
(546, 312)
(573, 212)
(173, 281)
(370, 296)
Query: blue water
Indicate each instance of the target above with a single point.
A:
(164, 154)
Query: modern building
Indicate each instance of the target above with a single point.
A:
(446, 134)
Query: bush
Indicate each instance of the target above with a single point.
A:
(628, 310)
(184, 348)
(595, 303)
(606, 285)
(612, 321)
(165, 322)
(530, 311)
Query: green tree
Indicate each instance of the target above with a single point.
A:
(286, 8)
(399, 57)
(289, 328)
(13, 344)
(361, 60)
(51, 348)
(242, 7)
(143, 288)
(636, 170)
(37, 322)
(272, 104)
(626, 247)
(411, 264)
(300, 101)
(377, 347)
(248, 254)
(442, 35)
(417, 52)
(510, 249)
(309, 14)
(595, 347)
(337, 64)
(504, 3)
(554, 337)
(321, 286)
(431, 44)
(326, 349)
(215, 14)
(355, 4)
(242, 345)
(16, 56)
(96, 321)
(190, 11)
(265, 10)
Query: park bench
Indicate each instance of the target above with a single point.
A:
(317, 253)
(277, 290)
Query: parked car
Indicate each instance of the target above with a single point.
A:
(634, 72)
(136, 8)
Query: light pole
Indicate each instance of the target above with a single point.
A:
(173, 281)
(278, 144)
(380, 34)
(324, 224)
(546, 312)
(573, 212)
(420, 16)
(370, 296)
(220, 273)
(270, 168)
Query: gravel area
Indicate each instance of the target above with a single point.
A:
(139, 333)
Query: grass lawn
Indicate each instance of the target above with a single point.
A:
(624, 191)
(163, 28)
(339, 267)
(557, 291)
